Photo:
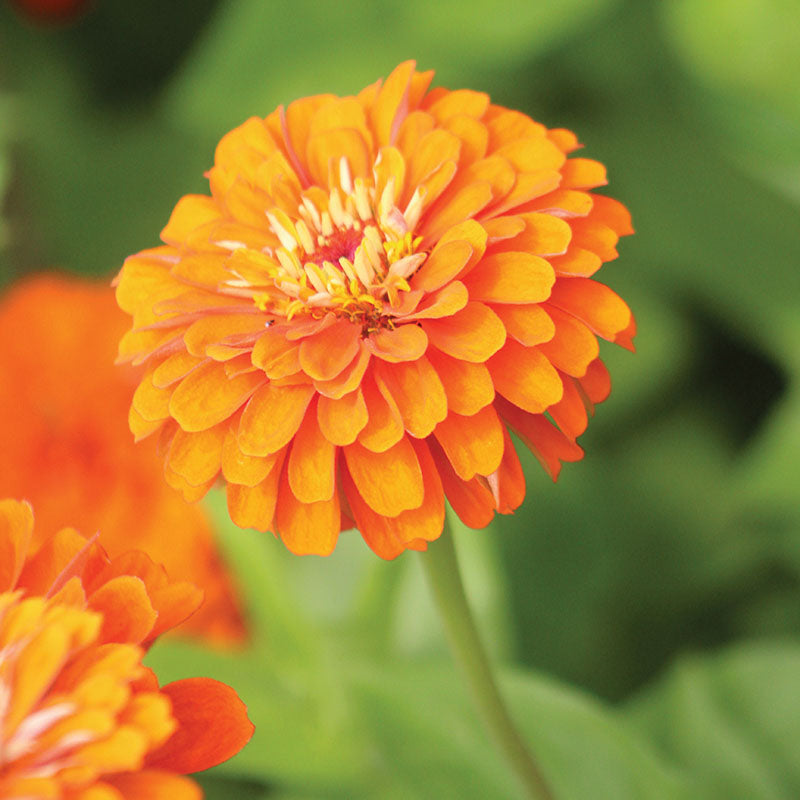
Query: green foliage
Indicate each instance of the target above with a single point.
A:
(679, 532)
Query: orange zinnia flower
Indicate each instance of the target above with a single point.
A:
(66, 446)
(377, 289)
(80, 716)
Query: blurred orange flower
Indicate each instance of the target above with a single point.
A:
(66, 447)
(80, 716)
(377, 289)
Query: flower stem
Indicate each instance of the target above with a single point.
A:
(441, 567)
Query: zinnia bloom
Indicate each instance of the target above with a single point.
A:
(66, 445)
(378, 288)
(80, 717)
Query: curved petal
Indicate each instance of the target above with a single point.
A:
(212, 726)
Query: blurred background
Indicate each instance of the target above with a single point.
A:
(648, 604)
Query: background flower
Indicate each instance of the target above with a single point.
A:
(80, 716)
(63, 406)
(377, 288)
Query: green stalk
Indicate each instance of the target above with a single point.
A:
(441, 567)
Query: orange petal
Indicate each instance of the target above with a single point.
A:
(461, 101)
(418, 392)
(603, 310)
(508, 483)
(173, 368)
(573, 346)
(212, 726)
(511, 278)
(196, 456)
(254, 506)
(432, 151)
(191, 211)
(576, 262)
(473, 444)
(272, 417)
(468, 386)
(348, 379)
(207, 396)
(342, 420)
(16, 531)
(237, 467)
(389, 536)
(444, 303)
(570, 412)
(307, 528)
(276, 355)
(529, 324)
(543, 235)
(404, 343)
(384, 426)
(544, 440)
(310, 469)
(473, 334)
(583, 173)
(592, 235)
(596, 382)
(325, 150)
(525, 377)
(324, 355)
(391, 104)
(612, 213)
(389, 482)
(151, 784)
(442, 265)
(150, 402)
(454, 207)
(215, 328)
(127, 613)
(471, 500)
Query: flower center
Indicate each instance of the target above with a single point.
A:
(349, 251)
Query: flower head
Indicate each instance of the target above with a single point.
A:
(377, 289)
(80, 716)
(66, 446)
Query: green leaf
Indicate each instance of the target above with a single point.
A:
(256, 56)
(732, 720)
(745, 58)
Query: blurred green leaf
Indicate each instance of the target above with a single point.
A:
(745, 58)
(256, 56)
(732, 720)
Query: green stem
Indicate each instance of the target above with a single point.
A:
(441, 567)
